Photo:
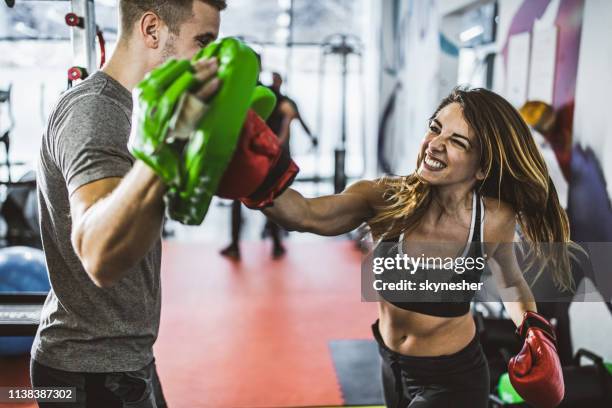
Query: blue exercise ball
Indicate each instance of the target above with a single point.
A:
(22, 270)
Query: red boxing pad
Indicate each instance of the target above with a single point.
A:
(535, 372)
(260, 169)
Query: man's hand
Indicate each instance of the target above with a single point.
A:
(166, 114)
(205, 72)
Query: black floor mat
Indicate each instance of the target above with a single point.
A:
(358, 370)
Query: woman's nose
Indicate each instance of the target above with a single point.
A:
(437, 143)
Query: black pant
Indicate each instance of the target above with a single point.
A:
(271, 227)
(133, 389)
(459, 380)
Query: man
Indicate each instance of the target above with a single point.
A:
(101, 215)
(285, 112)
(280, 120)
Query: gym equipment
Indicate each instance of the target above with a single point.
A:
(18, 204)
(19, 319)
(23, 287)
(5, 139)
(585, 385)
(23, 269)
(83, 34)
(77, 22)
(535, 372)
(19, 210)
(498, 342)
(192, 165)
(343, 45)
(260, 170)
(357, 366)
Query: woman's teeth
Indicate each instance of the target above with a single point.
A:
(434, 163)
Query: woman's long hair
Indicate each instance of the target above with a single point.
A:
(515, 173)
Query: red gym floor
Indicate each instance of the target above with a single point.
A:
(253, 334)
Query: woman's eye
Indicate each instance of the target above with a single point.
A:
(434, 129)
(460, 144)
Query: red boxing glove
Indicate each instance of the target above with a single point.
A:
(535, 372)
(260, 169)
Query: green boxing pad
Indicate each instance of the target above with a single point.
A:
(263, 102)
(210, 148)
(155, 101)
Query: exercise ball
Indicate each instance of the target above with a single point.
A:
(22, 270)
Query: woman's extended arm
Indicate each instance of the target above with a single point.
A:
(328, 215)
(511, 284)
(535, 372)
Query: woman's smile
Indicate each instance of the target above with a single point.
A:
(433, 164)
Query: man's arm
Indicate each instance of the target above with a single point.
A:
(328, 215)
(116, 221)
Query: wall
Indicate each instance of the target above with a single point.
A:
(409, 79)
(591, 161)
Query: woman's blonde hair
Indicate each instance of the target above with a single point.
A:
(515, 173)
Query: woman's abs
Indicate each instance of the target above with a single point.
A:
(416, 334)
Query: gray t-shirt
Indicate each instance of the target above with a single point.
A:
(83, 327)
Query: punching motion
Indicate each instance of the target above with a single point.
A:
(279, 121)
(189, 143)
(478, 174)
(196, 115)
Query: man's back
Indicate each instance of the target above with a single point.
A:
(84, 327)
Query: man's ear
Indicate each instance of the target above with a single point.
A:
(150, 29)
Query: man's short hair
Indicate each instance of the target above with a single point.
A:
(173, 12)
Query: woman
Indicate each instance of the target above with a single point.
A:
(478, 174)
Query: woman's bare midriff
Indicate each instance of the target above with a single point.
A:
(416, 334)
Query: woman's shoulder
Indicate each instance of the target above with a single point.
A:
(372, 190)
(499, 219)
